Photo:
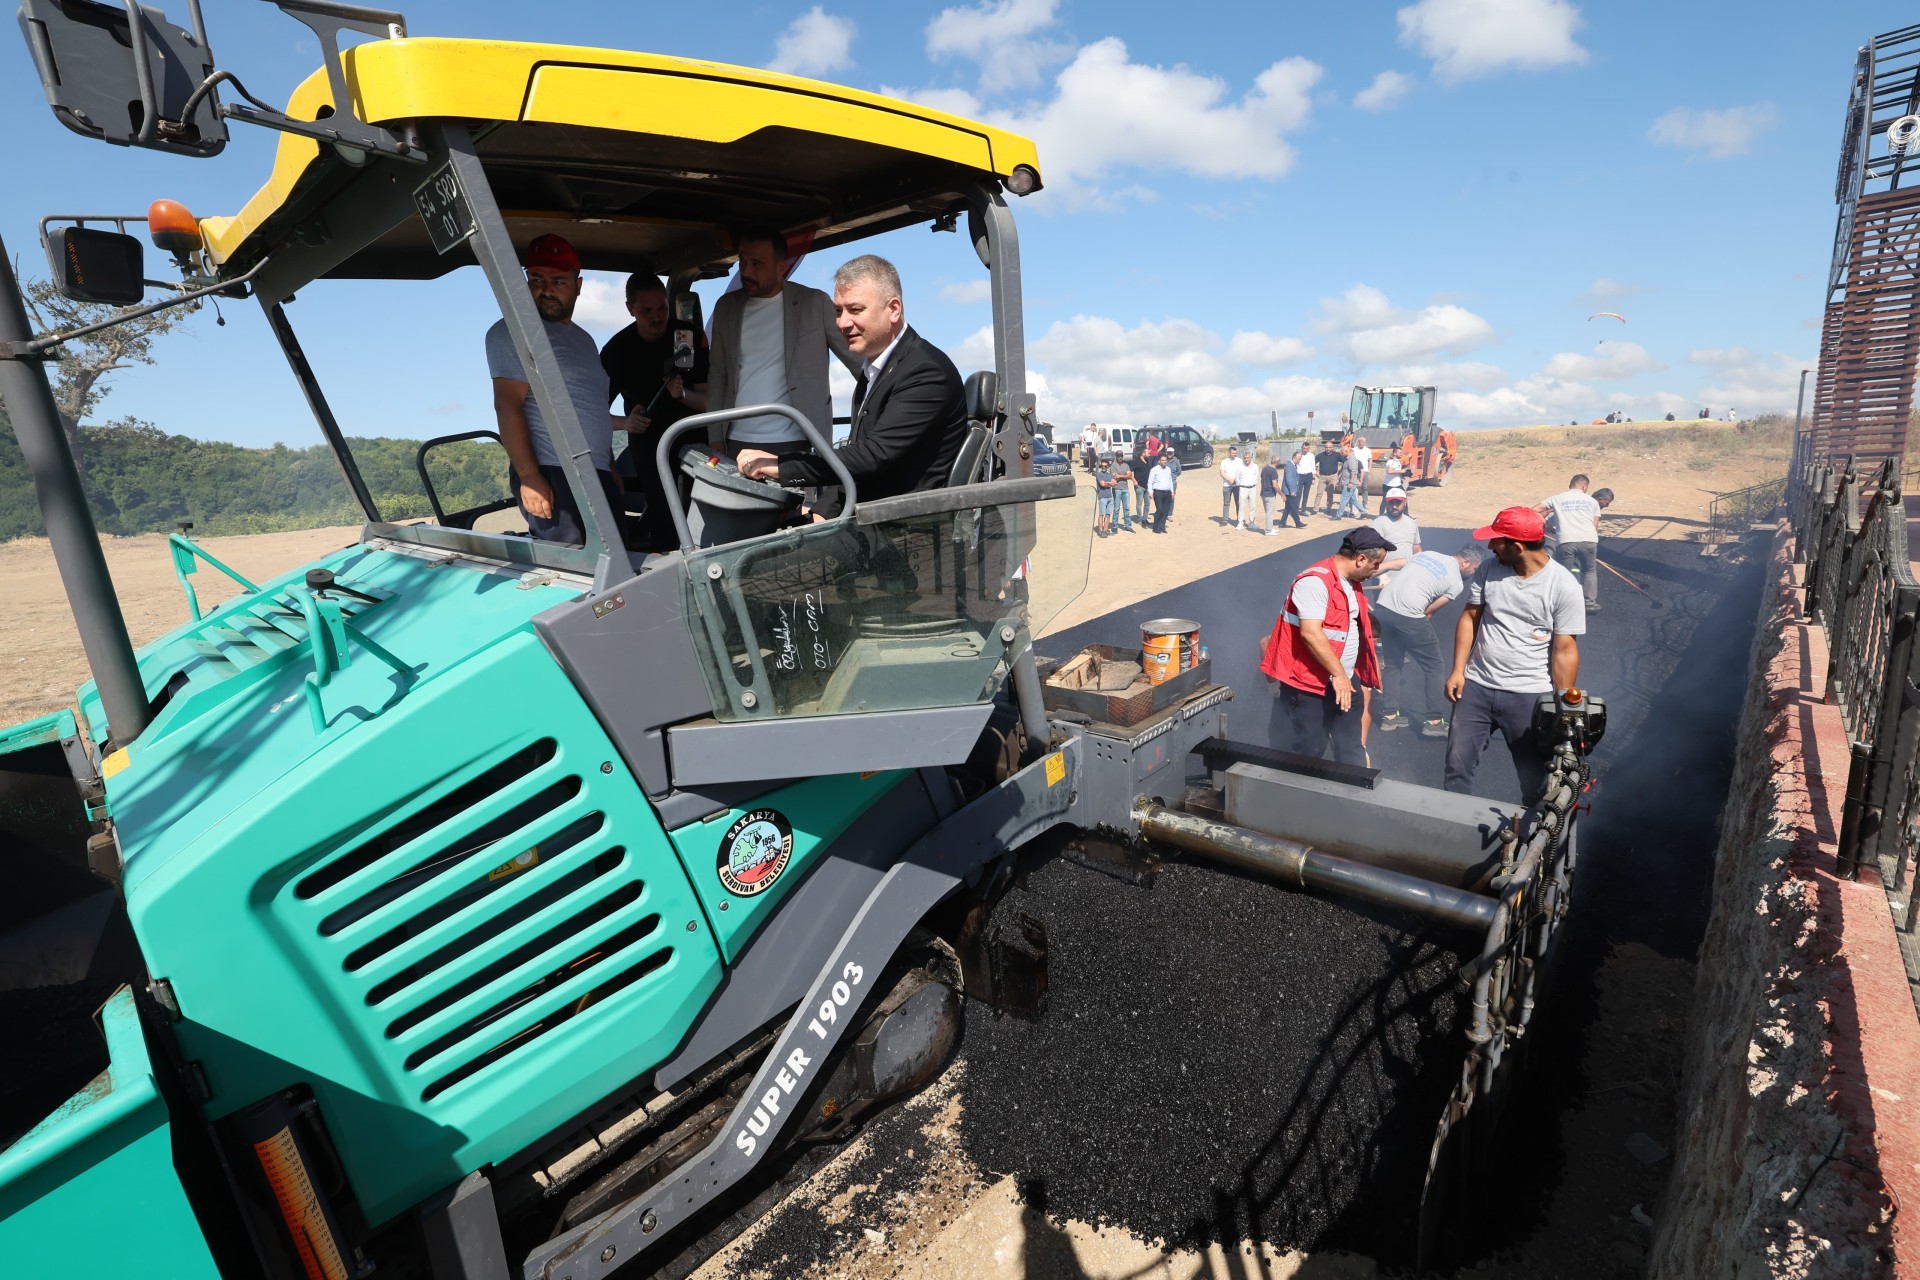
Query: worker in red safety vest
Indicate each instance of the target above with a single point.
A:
(1321, 646)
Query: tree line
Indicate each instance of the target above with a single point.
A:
(140, 479)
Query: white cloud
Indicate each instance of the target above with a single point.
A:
(1463, 375)
(967, 291)
(1719, 133)
(1370, 329)
(1386, 90)
(1447, 328)
(1603, 290)
(1361, 307)
(814, 44)
(602, 307)
(1721, 357)
(1616, 359)
(1250, 346)
(1500, 407)
(1468, 39)
(1095, 369)
(955, 102)
(1110, 115)
(1749, 382)
(1002, 36)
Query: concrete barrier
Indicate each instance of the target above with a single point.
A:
(1801, 1107)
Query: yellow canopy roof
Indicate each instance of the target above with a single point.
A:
(637, 158)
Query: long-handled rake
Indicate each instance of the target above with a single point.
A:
(1630, 582)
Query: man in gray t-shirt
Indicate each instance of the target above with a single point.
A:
(538, 481)
(1404, 621)
(1516, 640)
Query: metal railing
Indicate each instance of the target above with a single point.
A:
(1731, 515)
(1852, 536)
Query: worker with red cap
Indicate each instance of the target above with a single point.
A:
(1321, 646)
(538, 482)
(1516, 639)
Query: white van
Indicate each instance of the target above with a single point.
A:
(1111, 437)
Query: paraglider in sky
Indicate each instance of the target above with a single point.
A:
(1614, 315)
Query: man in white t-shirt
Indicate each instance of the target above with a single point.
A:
(1576, 524)
(771, 338)
(1230, 485)
(1517, 638)
(1305, 473)
(1364, 456)
(1403, 616)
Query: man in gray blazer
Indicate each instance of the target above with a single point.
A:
(771, 337)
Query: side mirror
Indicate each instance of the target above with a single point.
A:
(89, 265)
(124, 74)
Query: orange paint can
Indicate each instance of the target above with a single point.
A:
(1169, 646)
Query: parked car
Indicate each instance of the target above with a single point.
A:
(1188, 445)
(1047, 462)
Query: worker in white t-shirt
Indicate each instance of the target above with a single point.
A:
(1575, 523)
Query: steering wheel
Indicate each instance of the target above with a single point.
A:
(718, 482)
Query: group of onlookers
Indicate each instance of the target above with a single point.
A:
(1139, 487)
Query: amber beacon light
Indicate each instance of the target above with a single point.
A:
(173, 227)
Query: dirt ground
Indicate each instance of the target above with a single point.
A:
(1664, 476)
(979, 1226)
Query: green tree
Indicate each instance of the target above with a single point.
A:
(83, 364)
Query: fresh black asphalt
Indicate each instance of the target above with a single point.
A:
(1220, 1057)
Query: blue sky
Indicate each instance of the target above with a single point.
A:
(1249, 207)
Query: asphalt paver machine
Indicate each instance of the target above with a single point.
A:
(465, 905)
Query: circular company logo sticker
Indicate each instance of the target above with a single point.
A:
(754, 852)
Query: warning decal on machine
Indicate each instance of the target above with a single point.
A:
(1056, 768)
(755, 851)
(300, 1206)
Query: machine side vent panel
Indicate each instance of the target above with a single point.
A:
(620, 979)
(503, 903)
(525, 909)
(485, 855)
(446, 809)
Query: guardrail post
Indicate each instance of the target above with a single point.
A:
(1854, 815)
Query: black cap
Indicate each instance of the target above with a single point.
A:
(1363, 540)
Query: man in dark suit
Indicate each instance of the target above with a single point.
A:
(909, 411)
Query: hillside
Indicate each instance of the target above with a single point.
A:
(142, 480)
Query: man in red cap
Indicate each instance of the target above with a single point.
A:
(1321, 646)
(1516, 640)
(538, 482)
